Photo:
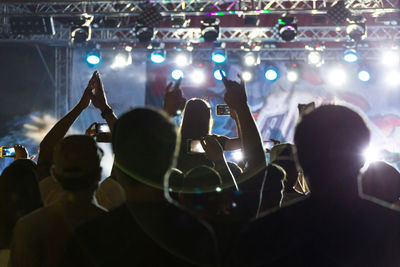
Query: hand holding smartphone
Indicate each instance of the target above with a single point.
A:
(7, 152)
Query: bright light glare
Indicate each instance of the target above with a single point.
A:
(182, 60)
(390, 58)
(93, 59)
(247, 76)
(314, 58)
(364, 76)
(350, 56)
(271, 74)
(250, 59)
(121, 61)
(177, 74)
(237, 155)
(218, 57)
(337, 77)
(393, 78)
(292, 76)
(198, 76)
(372, 154)
(157, 57)
(217, 75)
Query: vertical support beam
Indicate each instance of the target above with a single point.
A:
(62, 74)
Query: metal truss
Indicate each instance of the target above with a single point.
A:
(229, 35)
(190, 7)
(62, 78)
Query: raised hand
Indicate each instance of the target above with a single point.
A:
(98, 95)
(20, 152)
(173, 99)
(235, 95)
(213, 148)
(84, 102)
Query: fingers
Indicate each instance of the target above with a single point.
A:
(168, 89)
(178, 84)
(241, 79)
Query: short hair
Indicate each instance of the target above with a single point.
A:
(381, 180)
(144, 141)
(77, 162)
(331, 136)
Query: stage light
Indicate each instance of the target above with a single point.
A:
(393, 78)
(337, 77)
(292, 75)
(391, 58)
(157, 56)
(182, 59)
(372, 154)
(356, 30)
(364, 76)
(218, 56)
(93, 58)
(217, 75)
(198, 76)
(176, 74)
(287, 28)
(121, 60)
(247, 76)
(350, 55)
(81, 31)
(144, 33)
(237, 155)
(315, 58)
(250, 59)
(210, 29)
(271, 74)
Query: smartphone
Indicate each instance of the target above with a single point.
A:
(7, 152)
(223, 110)
(194, 147)
(268, 144)
(102, 128)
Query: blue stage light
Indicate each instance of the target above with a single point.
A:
(217, 75)
(364, 76)
(271, 74)
(218, 57)
(176, 74)
(350, 56)
(157, 56)
(93, 58)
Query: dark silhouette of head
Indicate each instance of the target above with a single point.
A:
(197, 119)
(330, 142)
(144, 143)
(19, 195)
(282, 155)
(382, 181)
(77, 163)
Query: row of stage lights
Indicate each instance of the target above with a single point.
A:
(337, 75)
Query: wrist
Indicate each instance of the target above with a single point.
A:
(106, 111)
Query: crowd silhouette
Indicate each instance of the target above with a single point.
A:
(313, 203)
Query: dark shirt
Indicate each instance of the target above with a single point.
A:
(157, 235)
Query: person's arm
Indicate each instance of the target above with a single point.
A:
(99, 100)
(253, 150)
(58, 132)
(215, 153)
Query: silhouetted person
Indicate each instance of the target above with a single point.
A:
(333, 226)
(40, 238)
(382, 181)
(19, 195)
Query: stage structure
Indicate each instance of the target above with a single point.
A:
(244, 25)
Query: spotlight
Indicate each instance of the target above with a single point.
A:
(121, 60)
(237, 155)
(356, 30)
(93, 58)
(157, 56)
(217, 75)
(337, 77)
(218, 56)
(82, 31)
(350, 56)
(176, 74)
(182, 59)
(179, 21)
(144, 33)
(210, 29)
(393, 78)
(292, 75)
(287, 27)
(271, 74)
(372, 154)
(198, 76)
(27, 25)
(364, 76)
(247, 76)
(315, 58)
(250, 59)
(391, 58)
